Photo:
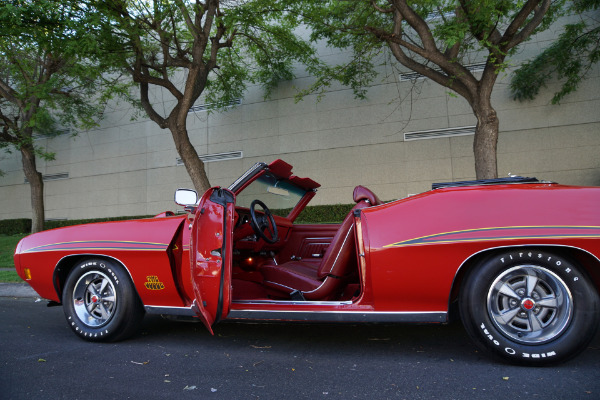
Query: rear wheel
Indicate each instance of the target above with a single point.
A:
(530, 306)
(100, 303)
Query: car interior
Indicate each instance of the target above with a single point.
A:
(277, 260)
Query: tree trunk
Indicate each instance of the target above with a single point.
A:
(36, 184)
(189, 155)
(485, 142)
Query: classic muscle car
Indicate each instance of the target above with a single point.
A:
(517, 259)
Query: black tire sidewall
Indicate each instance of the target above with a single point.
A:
(126, 301)
(573, 339)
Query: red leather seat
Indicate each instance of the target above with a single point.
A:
(326, 281)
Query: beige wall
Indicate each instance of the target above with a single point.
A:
(129, 167)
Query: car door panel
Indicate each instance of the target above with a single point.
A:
(210, 255)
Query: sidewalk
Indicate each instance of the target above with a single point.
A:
(16, 290)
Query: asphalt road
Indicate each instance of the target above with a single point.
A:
(40, 358)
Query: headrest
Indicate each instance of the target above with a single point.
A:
(362, 193)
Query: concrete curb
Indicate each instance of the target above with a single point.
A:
(17, 290)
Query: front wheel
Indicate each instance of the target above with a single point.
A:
(530, 307)
(100, 303)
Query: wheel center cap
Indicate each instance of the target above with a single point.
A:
(528, 304)
(95, 299)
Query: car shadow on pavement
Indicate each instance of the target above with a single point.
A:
(412, 342)
(381, 340)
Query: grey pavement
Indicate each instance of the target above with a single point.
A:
(16, 290)
(41, 358)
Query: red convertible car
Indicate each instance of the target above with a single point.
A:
(515, 258)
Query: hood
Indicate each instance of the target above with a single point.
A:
(152, 233)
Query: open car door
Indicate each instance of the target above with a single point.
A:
(210, 255)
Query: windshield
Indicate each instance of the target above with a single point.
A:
(281, 196)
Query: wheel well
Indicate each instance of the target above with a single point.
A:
(66, 265)
(590, 264)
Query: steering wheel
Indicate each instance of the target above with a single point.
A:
(261, 222)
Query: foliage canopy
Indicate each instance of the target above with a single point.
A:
(49, 79)
(569, 58)
(435, 38)
(49, 76)
(176, 51)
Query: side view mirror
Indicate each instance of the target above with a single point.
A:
(186, 197)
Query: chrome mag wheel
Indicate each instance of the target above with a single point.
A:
(94, 299)
(530, 304)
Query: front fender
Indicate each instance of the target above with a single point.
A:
(142, 247)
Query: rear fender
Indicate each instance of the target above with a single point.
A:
(589, 261)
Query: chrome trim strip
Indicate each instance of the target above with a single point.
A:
(185, 311)
(341, 316)
(321, 316)
(259, 166)
(340, 250)
(290, 302)
(279, 285)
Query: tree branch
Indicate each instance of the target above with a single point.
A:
(142, 75)
(188, 20)
(10, 94)
(511, 36)
(417, 23)
(147, 105)
(9, 125)
(451, 80)
(380, 9)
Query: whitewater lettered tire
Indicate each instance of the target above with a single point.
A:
(530, 307)
(100, 302)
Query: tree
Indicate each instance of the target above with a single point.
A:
(45, 83)
(433, 38)
(188, 49)
(570, 57)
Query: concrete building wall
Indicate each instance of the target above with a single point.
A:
(130, 167)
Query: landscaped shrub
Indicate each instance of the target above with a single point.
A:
(15, 226)
(331, 213)
(69, 222)
(23, 225)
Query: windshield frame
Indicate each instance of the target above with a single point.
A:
(248, 176)
(282, 171)
(279, 194)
